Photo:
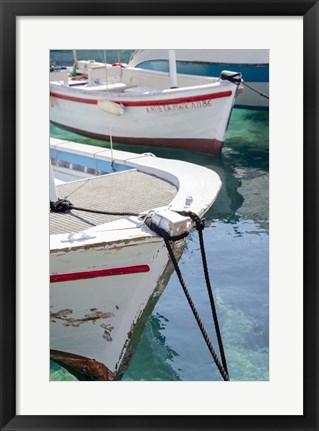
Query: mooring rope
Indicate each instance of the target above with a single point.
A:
(222, 367)
(200, 225)
(254, 89)
(63, 205)
(237, 79)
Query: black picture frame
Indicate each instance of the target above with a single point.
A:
(309, 10)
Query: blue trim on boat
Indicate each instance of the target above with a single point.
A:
(92, 163)
(250, 73)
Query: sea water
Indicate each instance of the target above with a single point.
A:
(236, 239)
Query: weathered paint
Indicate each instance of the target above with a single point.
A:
(69, 321)
(125, 297)
(137, 327)
(105, 245)
(86, 368)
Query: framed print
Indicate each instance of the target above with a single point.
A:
(262, 253)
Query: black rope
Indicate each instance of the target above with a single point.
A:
(254, 89)
(200, 224)
(220, 367)
(236, 79)
(63, 205)
(161, 232)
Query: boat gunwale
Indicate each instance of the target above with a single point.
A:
(172, 171)
(162, 95)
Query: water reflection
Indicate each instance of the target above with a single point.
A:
(154, 351)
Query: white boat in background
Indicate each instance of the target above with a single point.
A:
(253, 64)
(107, 271)
(142, 107)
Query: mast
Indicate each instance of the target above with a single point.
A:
(75, 64)
(75, 57)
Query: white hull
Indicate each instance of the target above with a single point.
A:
(194, 116)
(95, 318)
(105, 281)
(252, 63)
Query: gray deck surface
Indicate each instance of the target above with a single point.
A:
(129, 191)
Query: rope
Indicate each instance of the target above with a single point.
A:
(161, 232)
(63, 205)
(235, 80)
(254, 89)
(200, 224)
(220, 367)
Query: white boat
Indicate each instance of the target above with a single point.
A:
(106, 271)
(142, 107)
(253, 64)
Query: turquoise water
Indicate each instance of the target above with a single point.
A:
(237, 246)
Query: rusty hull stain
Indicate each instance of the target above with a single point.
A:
(83, 368)
(129, 336)
(107, 331)
(89, 369)
(70, 321)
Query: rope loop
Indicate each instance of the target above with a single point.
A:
(161, 232)
(199, 222)
(60, 206)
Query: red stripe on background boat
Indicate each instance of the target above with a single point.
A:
(147, 102)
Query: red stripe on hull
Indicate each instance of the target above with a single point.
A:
(139, 103)
(207, 146)
(56, 278)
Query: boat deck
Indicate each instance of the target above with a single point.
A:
(129, 191)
